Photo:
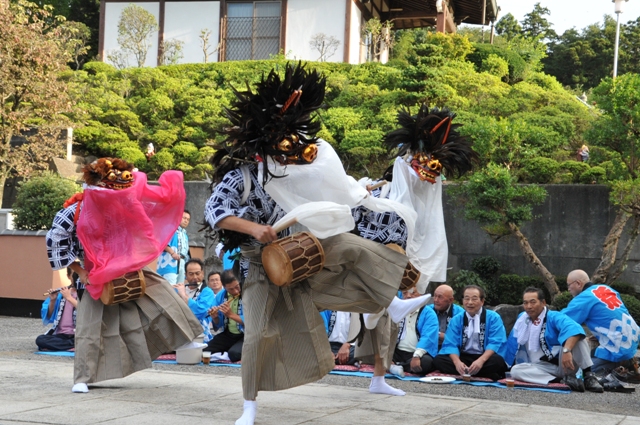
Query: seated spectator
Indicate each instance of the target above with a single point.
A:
(417, 340)
(197, 295)
(214, 282)
(59, 309)
(445, 309)
(601, 309)
(337, 324)
(228, 315)
(546, 345)
(475, 342)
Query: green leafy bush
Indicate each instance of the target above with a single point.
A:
(539, 170)
(39, 199)
(517, 65)
(486, 267)
(633, 305)
(593, 175)
(465, 278)
(576, 169)
(495, 65)
(562, 300)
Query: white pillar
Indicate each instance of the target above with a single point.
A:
(69, 142)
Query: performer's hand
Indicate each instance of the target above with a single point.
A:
(461, 367)
(264, 234)
(52, 296)
(476, 366)
(368, 187)
(343, 353)
(225, 308)
(66, 292)
(440, 337)
(415, 365)
(180, 288)
(175, 256)
(567, 362)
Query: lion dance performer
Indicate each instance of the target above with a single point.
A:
(426, 143)
(270, 167)
(117, 226)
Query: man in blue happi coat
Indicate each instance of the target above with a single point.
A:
(546, 345)
(601, 309)
(475, 342)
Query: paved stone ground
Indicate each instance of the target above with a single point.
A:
(36, 390)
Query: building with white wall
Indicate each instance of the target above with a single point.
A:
(258, 29)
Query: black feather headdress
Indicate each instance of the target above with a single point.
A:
(276, 120)
(433, 142)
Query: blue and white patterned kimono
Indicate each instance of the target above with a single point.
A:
(601, 309)
(169, 268)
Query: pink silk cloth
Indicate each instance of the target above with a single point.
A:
(124, 230)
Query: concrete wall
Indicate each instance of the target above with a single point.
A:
(25, 268)
(567, 234)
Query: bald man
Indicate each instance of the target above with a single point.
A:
(445, 309)
(601, 308)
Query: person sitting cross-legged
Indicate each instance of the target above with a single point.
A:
(475, 342)
(546, 345)
(337, 324)
(228, 315)
(417, 340)
(59, 309)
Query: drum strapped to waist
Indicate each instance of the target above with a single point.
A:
(127, 287)
(411, 274)
(293, 258)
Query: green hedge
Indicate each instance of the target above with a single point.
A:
(39, 199)
(517, 65)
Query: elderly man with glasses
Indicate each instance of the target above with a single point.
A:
(475, 341)
(601, 309)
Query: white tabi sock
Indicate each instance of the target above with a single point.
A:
(249, 413)
(399, 309)
(371, 319)
(80, 388)
(379, 386)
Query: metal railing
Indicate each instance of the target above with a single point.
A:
(252, 38)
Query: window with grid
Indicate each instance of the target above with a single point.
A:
(253, 30)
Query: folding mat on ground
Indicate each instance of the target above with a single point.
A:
(366, 371)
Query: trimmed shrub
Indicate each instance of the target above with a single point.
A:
(486, 267)
(562, 300)
(39, 199)
(539, 170)
(464, 278)
(517, 65)
(594, 175)
(495, 65)
(633, 305)
(98, 67)
(575, 168)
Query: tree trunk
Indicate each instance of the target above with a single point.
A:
(547, 277)
(622, 262)
(610, 248)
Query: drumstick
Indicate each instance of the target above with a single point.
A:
(279, 228)
(379, 184)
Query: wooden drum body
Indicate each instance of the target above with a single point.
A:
(411, 274)
(292, 259)
(127, 287)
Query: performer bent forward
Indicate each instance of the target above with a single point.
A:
(285, 340)
(117, 226)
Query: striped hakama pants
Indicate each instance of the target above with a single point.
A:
(117, 340)
(285, 342)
